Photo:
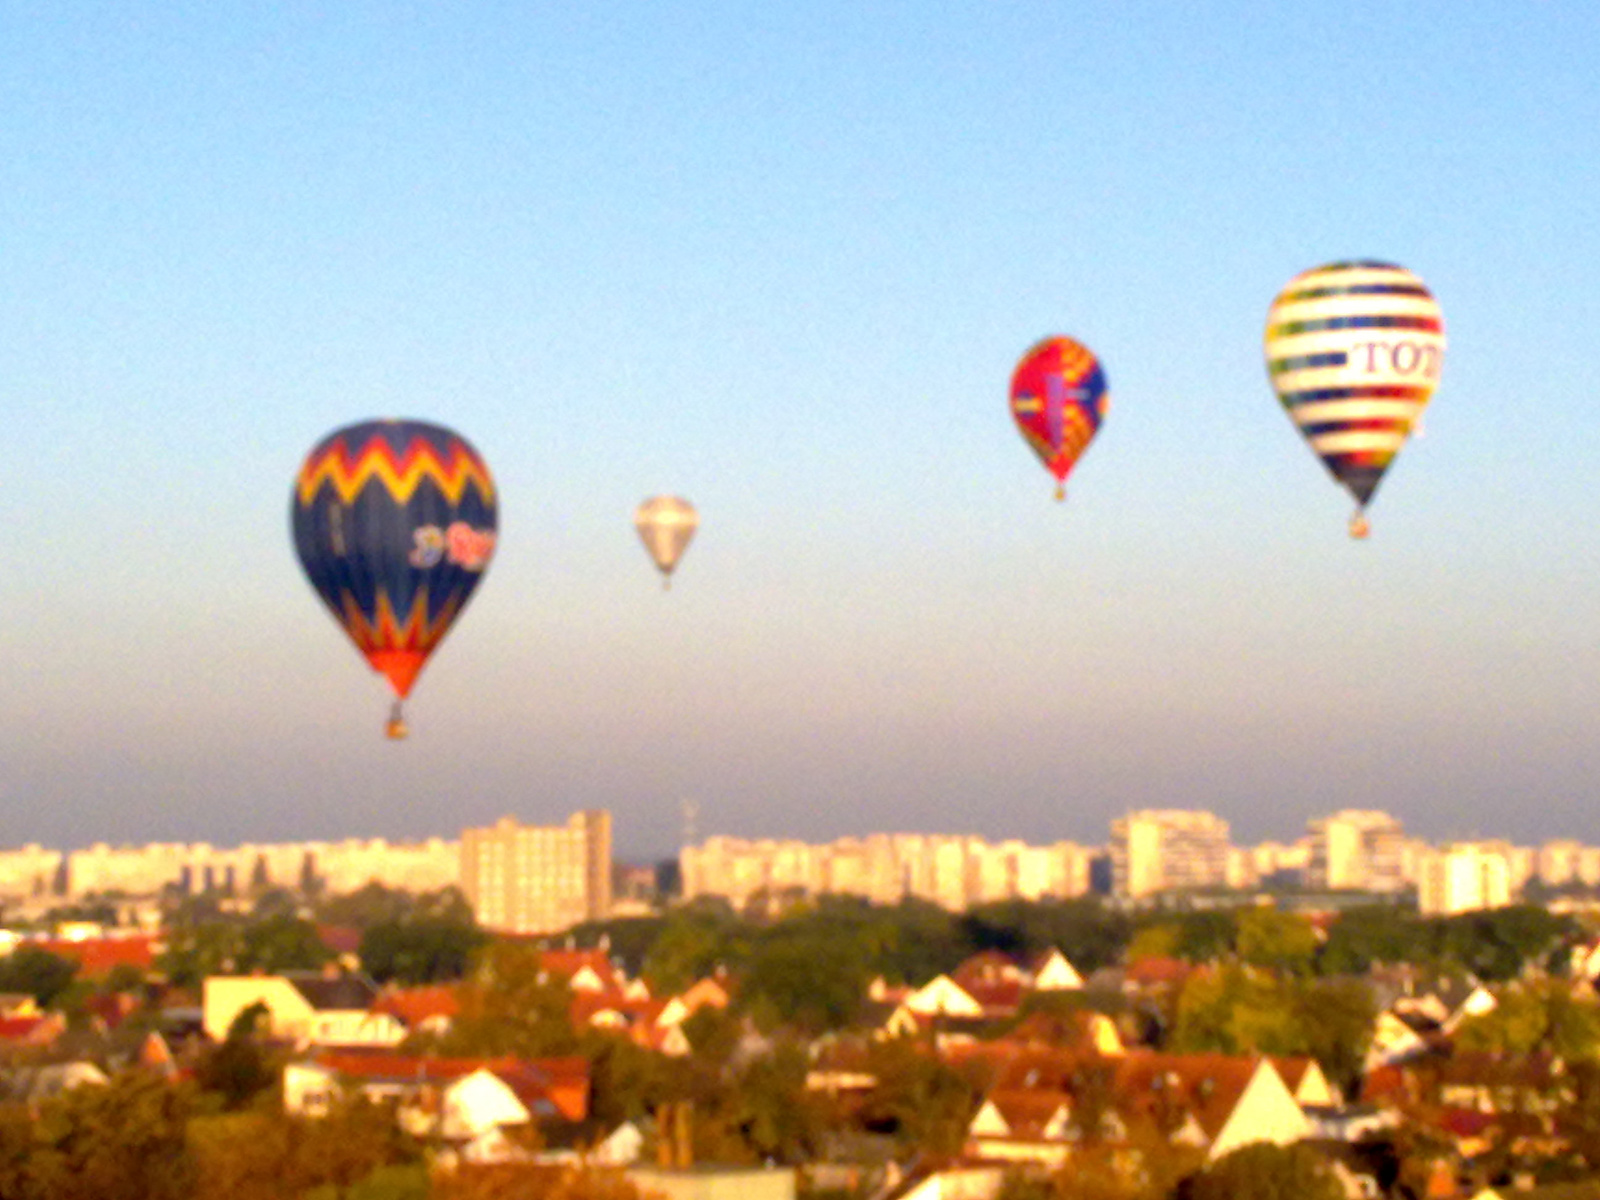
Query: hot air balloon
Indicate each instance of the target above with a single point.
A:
(1354, 351)
(665, 525)
(394, 523)
(1058, 398)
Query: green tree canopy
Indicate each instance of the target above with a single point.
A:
(38, 973)
(420, 949)
(1267, 1172)
(1280, 941)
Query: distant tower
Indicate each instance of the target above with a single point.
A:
(691, 810)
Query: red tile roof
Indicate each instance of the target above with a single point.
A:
(412, 1006)
(97, 956)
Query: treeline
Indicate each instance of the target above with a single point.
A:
(811, 965)
(144, 1138)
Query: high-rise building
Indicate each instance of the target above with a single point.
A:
(1161, 850)
(1358, 850)
(538, 879)
(1463, 877)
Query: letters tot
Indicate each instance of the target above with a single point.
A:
(1403, 358)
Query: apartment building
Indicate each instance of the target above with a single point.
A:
(1357, 850)
(335, 867)
(1563, 862)
(538, 879)
(1163, 850)
(29, 871)
(1464, 877)
(952, 871)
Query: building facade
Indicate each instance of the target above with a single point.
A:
(538, 879)
(1358, 850)
(1463, 877)
(331, 867)
(952, 871)
(1164, 850)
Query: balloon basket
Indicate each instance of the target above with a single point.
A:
(1359, 527)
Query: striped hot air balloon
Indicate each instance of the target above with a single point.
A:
(1058, 399)
(1354, 351)
(394, 523)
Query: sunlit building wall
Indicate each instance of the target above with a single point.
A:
(1559, 862)
(1464, 877)
(952, 871)
(1160, 850)
(28, 871)
(335, 867)
(1357, 850)
(537, 878)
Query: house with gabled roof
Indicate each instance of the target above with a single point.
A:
(1053, 973)
(942, 996)
(1022, 1125)
(430, 1008)
(710, 992)
(304, 1007)
(474, 1105)
(1083, 1029)
(1307, 1083)
(1039, 1103)
(584, 970)
(1226, 1101)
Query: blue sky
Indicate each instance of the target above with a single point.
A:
(781, 260)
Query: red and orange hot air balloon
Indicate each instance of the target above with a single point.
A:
(394, 523)
(1058, 399)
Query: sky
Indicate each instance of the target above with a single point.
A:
(781, 260)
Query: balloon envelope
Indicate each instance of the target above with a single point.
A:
(666, 524)
(394, 523)
(1354, 351)
(1058, 399)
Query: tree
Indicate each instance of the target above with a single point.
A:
(1266, 1172)
(1234, 1009)
(239, 1068)
(1279, 941)
(1536, 1016)
(925, 1104)
(510, 1005)
(355, 1150)
(281, 943)
(1376, 933)
(690, 946)
(1336, 1020)
(531, 1181)
(420, 949)
(123, 1141)
(196, 950)
(37, 973)
(1085, 930)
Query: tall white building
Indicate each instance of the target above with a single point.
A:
(538, 879)
(1357, 850)
(1161, 850)
(1463, 877)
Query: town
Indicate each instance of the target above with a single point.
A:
(1356, 1013)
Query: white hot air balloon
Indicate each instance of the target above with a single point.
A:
(1354, 351)
(665, 525)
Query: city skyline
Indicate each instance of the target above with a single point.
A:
(782, 263)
